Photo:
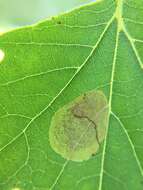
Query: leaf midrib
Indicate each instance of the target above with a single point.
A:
(120, 27)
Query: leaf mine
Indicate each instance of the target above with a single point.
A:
(78, 128)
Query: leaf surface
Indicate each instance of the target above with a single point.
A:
(97, 46)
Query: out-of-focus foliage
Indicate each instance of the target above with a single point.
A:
(17, 13)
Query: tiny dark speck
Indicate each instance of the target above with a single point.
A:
(59, 22)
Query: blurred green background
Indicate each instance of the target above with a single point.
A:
(16, 13)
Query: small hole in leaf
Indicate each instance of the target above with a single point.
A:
(16, 188)
(2, 55)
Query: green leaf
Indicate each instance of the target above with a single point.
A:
(98, 46)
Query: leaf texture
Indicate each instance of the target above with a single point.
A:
(97, 46)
